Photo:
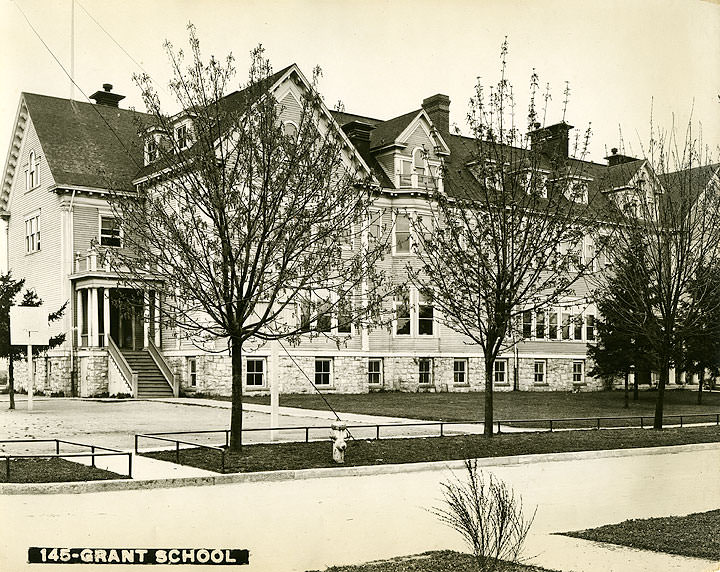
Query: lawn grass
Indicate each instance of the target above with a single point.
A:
(435, 561)
(693, 535)
(507, 405)
(318, 454)
(53, 470)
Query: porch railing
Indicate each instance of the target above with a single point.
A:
(130, 376)
(164, 367)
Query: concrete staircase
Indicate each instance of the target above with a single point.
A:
(151, 382)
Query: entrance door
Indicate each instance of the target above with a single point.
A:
(126, 318)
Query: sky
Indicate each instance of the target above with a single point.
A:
(626, 62)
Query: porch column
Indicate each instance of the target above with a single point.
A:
(80, 320)
(146, 318)
(106, 315)
(93, 322)
(157, 318)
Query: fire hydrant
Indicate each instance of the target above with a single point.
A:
(339, 444)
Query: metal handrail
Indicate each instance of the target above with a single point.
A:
(164, 367)
(130, 376)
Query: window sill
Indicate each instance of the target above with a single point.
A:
(579, 383)
(496, 384)
(322, 387)
(256, 388)
(33, 252)
(461, 385)
(544, 384)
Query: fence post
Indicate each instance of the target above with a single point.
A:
(377, 432)
(92, 454)
(57, 447)
(227, 438)
(307, 434)
(642, 425)
(498, 427)
(136, 443)
(681, 423)
(177, 452)
(598, 423)
(441, 430)
(222, 461)
(129, 465)
(551, 425)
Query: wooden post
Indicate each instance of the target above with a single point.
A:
(30, 376)
(274, 380)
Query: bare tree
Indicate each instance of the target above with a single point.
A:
(506, 234)
(668, 228)
(488, 515)
(252, 218)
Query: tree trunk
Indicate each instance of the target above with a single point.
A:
(236, 417)
(627, 395)
(664, 376)
(701, 381)
(11, 380)
(488, 431)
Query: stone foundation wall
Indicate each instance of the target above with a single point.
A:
(52, 375)
(399, 374)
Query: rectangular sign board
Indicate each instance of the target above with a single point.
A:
(29, 326)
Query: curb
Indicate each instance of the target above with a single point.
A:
(360, 471)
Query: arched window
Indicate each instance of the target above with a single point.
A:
(32, 174)
(419, 161)
(290, 130)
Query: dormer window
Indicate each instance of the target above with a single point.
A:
(181, 136)
(151, 149)
(32, 174)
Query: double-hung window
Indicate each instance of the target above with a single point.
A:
(425, 373)
(460, 371)
(540, 374)
(425, 315)
(375, 371)
(590, 327)
(402, 233)
(579, 372)
(255, 374)
(109, 231)
(402, 317)
(323, 372)
(32, 233)
(500, 371)
(192, 371)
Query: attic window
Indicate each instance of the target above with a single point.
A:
(290, 130)
(32, 174)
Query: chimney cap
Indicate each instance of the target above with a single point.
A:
(107, 97)
(614, 150)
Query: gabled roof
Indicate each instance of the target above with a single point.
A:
(85, 144)
(388, 131)
(618, 176)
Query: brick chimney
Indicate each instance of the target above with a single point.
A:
(553, 140)
(107, 97)
(359, 134)
(438, 108)
(617, 159)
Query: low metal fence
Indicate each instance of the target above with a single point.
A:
(625, 421)
(547, 424)
(95, 451)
